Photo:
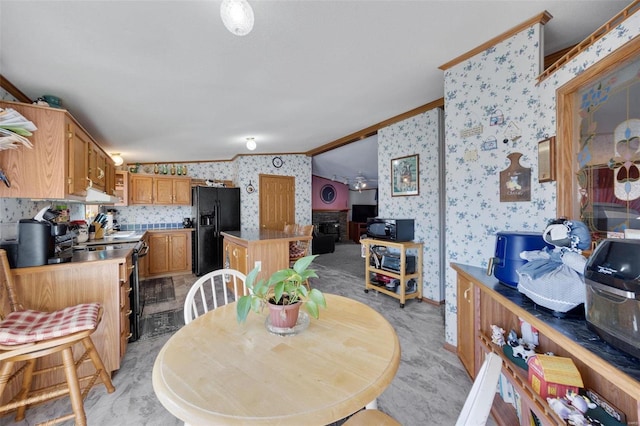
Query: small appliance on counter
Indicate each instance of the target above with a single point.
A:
(41, 241)
(507, 260)
(612, 277)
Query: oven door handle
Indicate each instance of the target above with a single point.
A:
(144, 250)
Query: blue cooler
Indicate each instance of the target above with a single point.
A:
(507, 258)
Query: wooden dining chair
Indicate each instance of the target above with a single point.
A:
(475, 411)
(212, 290)
(300, 249)
(28, 335)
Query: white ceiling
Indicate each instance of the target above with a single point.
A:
(162, 81)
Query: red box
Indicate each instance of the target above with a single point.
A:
(553, 376)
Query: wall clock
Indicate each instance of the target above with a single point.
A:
(328, 194)
(277, 162)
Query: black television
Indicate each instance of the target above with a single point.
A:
(361, 212)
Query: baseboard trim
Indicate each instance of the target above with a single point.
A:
(449, 347)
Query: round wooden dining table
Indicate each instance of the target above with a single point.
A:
(216, 371)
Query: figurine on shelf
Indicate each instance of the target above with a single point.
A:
(497, 335)
(520, 348)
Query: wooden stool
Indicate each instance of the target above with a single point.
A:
(26, 336)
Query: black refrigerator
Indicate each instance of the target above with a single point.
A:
(214, 210)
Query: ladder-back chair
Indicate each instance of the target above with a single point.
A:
(28, 335)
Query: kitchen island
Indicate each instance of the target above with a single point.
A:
(91, 276)
(268, 248)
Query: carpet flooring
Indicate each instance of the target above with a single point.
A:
(429, 388)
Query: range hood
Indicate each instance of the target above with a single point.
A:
(98, 197)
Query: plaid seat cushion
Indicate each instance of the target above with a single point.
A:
(34, 326)
(296, 250)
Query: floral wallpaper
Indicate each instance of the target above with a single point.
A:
(415, 135)
(6, 96)
(252, 166)
(491, 97)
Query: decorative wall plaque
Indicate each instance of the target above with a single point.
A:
(515, 180)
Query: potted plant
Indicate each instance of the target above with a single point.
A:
(284, 292)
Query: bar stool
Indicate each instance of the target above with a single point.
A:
(27, 335)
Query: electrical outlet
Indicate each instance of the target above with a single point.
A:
(258, 265)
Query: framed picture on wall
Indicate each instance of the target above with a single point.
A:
(546, 160)
(405, 176)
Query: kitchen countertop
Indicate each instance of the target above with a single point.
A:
(575, 329)
(131, 237)
(265, 234)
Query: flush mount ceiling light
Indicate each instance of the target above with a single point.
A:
(237, 16)
(251, 144)
(117, 159)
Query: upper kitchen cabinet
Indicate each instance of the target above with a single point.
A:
(165, 190)
(64, 159)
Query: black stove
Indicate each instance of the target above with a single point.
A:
(139, 249)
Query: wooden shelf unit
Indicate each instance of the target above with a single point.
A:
(481, 304)
(402, 248)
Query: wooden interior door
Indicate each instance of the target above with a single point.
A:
(277, 201)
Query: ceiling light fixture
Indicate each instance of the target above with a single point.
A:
(251, 144)
(117, 159)
(237, 16)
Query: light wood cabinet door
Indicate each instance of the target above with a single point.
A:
(169, 252)
(158, 253)
(235, 256)
(466, 328)
(110, 182)
(121, 186)
(163, 190)
(140, 189)
(182, 191)
(179, 253)
(97, 167)
(78, 144)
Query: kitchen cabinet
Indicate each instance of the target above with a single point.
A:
(156, 190)
(172, 190)
(121, 184)
(466, 331)
(169, 252)
(269, 248)
(235, 255)
(125, 304)
(58, 165)
(486, 302)
(97, 167)
(400, 249)
(140, 189)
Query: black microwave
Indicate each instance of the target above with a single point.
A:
(390, 229)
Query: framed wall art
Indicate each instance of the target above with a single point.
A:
(405, 176)
(547, 160)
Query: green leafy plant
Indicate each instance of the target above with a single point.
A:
(284, 287)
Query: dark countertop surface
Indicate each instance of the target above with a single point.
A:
(573, 328)
(265, 234)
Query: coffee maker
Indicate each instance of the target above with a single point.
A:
(38, 240)
(35, 243)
